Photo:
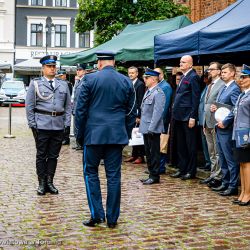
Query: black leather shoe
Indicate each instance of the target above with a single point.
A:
(207, 180)
(176, 175)
(244, 203)
(41, 190)
(143, 179)
(229, 191)
(93, 222)
(220, 188)
(150, 181)
(236, 201)
(112, 225)
(65, 142)
(187, 177)
(214, 183)
(50, 186)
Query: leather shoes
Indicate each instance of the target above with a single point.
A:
(176, 175)
(220, 188)
(187, 177)
(229, 191)
(130, 159)
(139, 160)
(207, 180)
(112, 225)
(93, 222)
(244, 203)
(150, 181)
(236, 201)
(65, 142)
(142, 180)
(214, 183)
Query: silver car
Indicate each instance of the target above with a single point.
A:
(12, 92)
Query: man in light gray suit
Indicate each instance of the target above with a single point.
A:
(214, 71)
(151, 125)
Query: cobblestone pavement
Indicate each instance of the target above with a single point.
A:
(174, 214)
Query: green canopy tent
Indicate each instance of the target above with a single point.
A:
(135, 44)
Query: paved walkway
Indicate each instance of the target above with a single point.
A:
(172, 215)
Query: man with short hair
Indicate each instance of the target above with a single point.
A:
(105, 116)
(151, 125)
(185, 114)
(48, 109)
(228, 95)
(138, 152)
(209, 122)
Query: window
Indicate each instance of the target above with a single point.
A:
(84, 40)
(60, 35)
(62, 3)
(37, 2)
(36, 38)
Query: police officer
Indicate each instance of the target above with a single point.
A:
(151, 125)
(80, 73)
(61, 74)
(48, 109)
(105, 116)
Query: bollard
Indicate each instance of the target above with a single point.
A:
(9, 135)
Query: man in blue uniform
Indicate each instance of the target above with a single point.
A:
(48, 109)
(105, 116)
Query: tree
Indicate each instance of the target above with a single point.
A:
(109, 17)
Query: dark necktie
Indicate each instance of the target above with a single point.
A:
(209, 89)
(51, 84)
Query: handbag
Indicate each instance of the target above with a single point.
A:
(164, 143)
(242, 137)
(136, 138)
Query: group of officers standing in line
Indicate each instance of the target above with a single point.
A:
(106, 112)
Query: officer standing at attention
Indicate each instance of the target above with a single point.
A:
(48, 109)
(63, 76)
(105, 116)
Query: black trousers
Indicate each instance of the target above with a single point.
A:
(152, 149)
(138, 151)
(186, 147)
(48, 146)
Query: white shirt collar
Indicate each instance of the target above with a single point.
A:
(134, 81)
(187, 72)
(247, 90)
(216, 80)
(227, 84)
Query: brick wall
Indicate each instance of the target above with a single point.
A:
(201, 9)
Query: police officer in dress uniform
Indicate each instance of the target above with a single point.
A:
(105, 116)
(63, 76)
(48, 109)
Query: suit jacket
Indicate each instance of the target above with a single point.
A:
(151, 111)
(242, 112)
(187, 97)
(106, 108)
(139, 93)
(59, 102)
(208, 118)
(228, 96)
(167, 90)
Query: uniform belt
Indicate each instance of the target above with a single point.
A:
(53, 113)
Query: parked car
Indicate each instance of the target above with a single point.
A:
(12, 92)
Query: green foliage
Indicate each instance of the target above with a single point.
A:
(109, 17)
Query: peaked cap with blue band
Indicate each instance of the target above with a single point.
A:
(61, 72)
(48, 60)
(245, 70)
(81, 66)
(151, 72)
(105, 55)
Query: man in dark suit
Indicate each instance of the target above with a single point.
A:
(138, 152)
(185, 112)
(230, 170)
(105, 116)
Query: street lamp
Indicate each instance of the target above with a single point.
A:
(48, 28)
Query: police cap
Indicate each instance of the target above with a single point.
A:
(245, 70)
(81, 66)
(151, 72)
(105, 55)
(61, 72)
(48, 60)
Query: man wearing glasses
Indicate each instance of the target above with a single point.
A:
(214, 71)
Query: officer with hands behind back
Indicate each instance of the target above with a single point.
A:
(48, 110)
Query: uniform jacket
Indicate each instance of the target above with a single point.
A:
(60, 102)
(152, 108)
(242, 112)
(209, 119)
(187, 97)
(228, 96)
(167, 90)
(106, 108)
(139, 92)
(76, 93)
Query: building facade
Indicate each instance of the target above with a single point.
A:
(200, 9)
(47, 27)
